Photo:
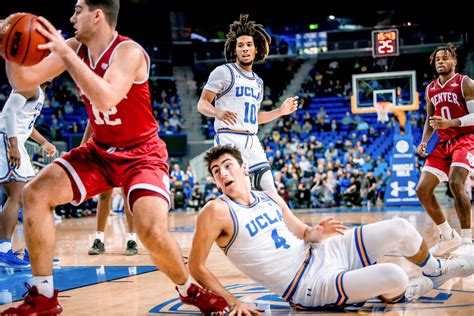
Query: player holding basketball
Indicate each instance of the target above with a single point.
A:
(450, 110)
(238, 93)
(16, 126)
(265, 240)
(112, 73)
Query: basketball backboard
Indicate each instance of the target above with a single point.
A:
(397, 88)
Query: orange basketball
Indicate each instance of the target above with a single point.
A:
(20, 42)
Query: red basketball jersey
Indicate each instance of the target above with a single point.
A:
(449, 103)
(131, 121)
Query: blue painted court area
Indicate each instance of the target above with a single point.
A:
(65, 278)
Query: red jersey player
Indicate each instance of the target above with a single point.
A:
(111, 72)
(450, 110)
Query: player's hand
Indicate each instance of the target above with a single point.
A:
(422, 149)
(227, 117)
(49, 148)
(332, 226)
(57, 43)
(289, 106)
(238, 308)
(439, 122)
(14, 157)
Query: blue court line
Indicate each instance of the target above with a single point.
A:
(339, 210)
(66, 278)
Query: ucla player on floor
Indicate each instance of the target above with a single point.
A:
(305, 265)
(238, 92)
(16, 126)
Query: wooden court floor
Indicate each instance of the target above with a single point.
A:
(114, 284)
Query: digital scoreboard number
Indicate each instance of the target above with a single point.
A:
(385, 43)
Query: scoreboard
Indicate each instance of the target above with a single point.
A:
(385, 43)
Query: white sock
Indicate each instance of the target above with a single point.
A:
(430, 266)
(132, 236)
(5, 245)
(100, 236)
(466, 235)
(45, 285)
(183, 289)
(446, 230)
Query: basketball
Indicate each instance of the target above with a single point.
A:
(21, 40)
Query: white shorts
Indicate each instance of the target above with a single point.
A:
(248, 144)
(22, 174)
(321, 284)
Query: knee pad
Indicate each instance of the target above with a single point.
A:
(262, 180)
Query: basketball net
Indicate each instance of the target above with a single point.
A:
(382, 109)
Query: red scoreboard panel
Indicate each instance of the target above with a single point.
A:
(385, 43)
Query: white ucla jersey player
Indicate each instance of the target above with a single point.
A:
(237, 93)
(275, 251)
(16, 126)
(308, 266)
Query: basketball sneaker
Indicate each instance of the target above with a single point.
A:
(97, 248)
(35, 304)
(131, 248)
(26, 257)
(452, 268)
(466, 248)
(417, 287)
(206, 301)
(9, 259)
(445, 246)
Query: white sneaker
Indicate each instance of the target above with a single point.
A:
(445, 246)
(417, 287)
(451, 268)
(466, 249)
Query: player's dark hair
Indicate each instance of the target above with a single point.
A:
(109, 7)
(245, 27)
(216, 152)
(450, 49)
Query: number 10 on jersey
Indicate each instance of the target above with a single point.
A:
(250, 115)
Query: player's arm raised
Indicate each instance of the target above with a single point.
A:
(212, 222)
(128, 65)
(28, 77)
(287, 107)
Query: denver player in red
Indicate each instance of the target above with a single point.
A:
(111, 72)
(450, 110)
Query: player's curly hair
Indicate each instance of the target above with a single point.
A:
(450, 49)
(245, 27)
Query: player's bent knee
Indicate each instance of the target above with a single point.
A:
(393, 278)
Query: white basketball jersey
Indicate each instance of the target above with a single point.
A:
(26, 117)
(262, 247)
(243, 95)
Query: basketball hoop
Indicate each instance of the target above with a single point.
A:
(382, 109)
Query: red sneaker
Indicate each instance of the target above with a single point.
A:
(35, 304)
(205, 300)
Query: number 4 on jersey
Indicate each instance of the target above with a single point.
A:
(279, 241)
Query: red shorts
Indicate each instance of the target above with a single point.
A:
(456, 152)
(94, 168)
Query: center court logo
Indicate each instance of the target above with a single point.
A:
(272, 303)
